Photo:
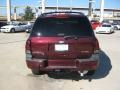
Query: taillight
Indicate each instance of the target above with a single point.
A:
(96, 47)
(27, 45)
(28, 50)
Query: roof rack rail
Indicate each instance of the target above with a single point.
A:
(65, 12)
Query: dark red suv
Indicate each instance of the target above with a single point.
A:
(62, 41)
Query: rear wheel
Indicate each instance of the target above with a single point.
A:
(12, 30)
(37, 72)
(116, 28)
(97, 33)
(91, 72)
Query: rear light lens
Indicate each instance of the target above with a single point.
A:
(28, 51)
(96, 47)
(27, 45)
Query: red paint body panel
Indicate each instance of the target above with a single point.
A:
(44, 48)
(72, 65)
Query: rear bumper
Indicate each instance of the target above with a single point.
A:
(104, 31)
(62, 64)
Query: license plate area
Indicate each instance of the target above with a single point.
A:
(61, 47)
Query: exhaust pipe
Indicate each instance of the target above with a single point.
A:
(82, 73)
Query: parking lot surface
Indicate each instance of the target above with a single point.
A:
(14, 74)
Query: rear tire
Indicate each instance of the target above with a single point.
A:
(12, 30)
(91, 72)
(115, 28)
(97, 33)
(37, 72)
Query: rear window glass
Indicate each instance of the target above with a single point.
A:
(79, 26)
(106, 25)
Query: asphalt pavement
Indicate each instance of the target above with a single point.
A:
(14, 74)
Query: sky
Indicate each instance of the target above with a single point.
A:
(114, 4)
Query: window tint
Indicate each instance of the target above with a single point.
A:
(79, 26)
(106, 25)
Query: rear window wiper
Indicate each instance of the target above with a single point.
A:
(71, 36)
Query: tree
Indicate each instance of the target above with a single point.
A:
(28, 13)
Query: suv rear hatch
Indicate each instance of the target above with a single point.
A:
(60, 48)
(64, 38)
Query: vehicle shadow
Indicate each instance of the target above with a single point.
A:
(102, 71)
